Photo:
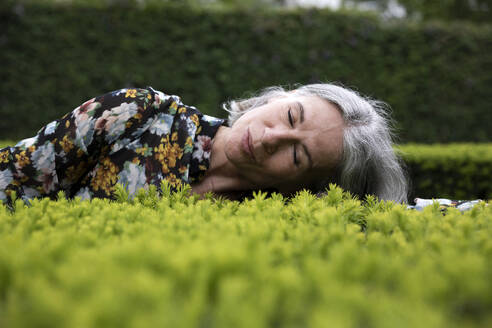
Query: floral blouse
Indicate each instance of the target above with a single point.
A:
(135, 137)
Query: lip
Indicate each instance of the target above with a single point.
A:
(247, 145)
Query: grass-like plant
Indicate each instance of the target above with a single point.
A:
(177, 261)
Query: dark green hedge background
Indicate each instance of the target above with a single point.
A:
(455, 171)
(437, 78)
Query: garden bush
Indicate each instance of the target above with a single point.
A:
(456, 171)
(436, 76)
(177, 261)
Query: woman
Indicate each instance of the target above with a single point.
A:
(279, 140)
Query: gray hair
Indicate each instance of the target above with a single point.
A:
(369, 164)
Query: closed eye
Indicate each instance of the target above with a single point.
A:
(291, 122)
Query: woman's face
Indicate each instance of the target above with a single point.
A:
(287, 143)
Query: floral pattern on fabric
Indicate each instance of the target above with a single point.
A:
(135, 137)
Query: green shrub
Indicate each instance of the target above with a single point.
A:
(456, 171)
(6, 143)
(54, 57)
(181, 262)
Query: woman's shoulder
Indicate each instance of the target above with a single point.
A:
(160, 102)
(137, 93)
(142, 97)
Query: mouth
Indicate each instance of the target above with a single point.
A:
(247, 145)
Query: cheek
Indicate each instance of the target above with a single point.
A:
(280, 166)
(233, 148)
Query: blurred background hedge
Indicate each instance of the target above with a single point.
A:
(455, 171)
(435, 76)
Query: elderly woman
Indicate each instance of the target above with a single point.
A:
(279, 140)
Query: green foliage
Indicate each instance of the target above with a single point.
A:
(177, 261)
(456, 171)
(191, 3)
(6, 143)
(54, 57)
(477, 10)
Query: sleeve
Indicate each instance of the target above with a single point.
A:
(66, 149)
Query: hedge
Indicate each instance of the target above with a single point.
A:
(53, 57)
(180, 262)
(456, 171)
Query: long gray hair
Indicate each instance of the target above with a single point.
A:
(369, 164)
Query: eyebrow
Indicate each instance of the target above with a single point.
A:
(306, 151)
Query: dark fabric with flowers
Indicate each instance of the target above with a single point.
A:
(136, 137)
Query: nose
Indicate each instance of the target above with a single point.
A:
(274, 138)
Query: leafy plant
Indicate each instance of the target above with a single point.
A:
(183, 262)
